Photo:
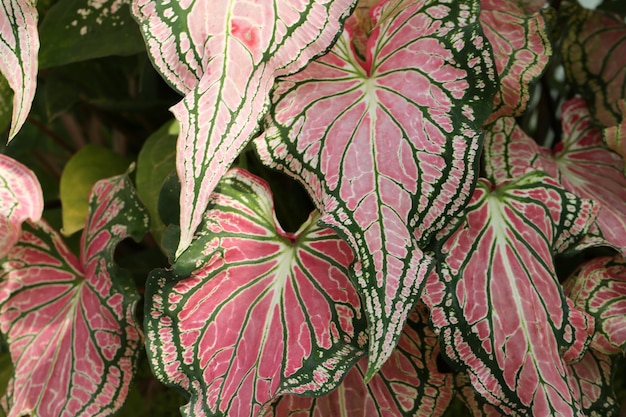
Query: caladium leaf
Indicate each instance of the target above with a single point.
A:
(594, 57)
(21, 198)
(581, 163)
(69, 323)
(599, 288)
(19, 45)
(251, 312)
(408, 384)
(225, 56)
(497, 302)
(522, 49)
(387, 147)
(592, 379)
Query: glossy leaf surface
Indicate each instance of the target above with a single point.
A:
(387, 147)
(581, 163)
(408, 384)
(250, 312)
(599, 288)
(497, 302)
(594, 57)
(70, 323)
(21, 198)
(19, 45)
(522, 49)
(224, 56)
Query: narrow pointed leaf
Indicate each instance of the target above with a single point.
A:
(581, 163)
(594, 57)
(250, 312)
(599, 288)
(522, 49)
(387, 147)
(70, 323)
(497, 302)
(21, 198)
(408, 384)
(225, 56)
(19, 45)
(592, 378)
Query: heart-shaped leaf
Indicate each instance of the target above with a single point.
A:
(594, 57)
(497, 302)
(225, 56)
(21, 198)
(408, 384)
(521, 48)
(581, 163)
(70, 323)
(599, 288)
(387, 147)
(251, 312)
(18, 55)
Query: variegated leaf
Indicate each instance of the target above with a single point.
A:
(592, 379)
(615, 136)
(599, 288)
(522, 49)
(387, 147)
(497, 302)
(476, 405)
(21, 198)
(70, 323)
(408, 384)
(581, 163)
(225, 56)
(594, 57)
(19, 45)
(251, 312)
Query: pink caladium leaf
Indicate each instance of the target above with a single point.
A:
(581, 163)
(599, 288)
(387, 147)
(70, 323)
(592, 379)
(522, 49)
(408, 384)
(594, 57)
(497, 303)
(19, 45)
(251, 312)
(21, 198)
(225, 56)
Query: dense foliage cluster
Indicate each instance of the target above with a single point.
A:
(362, 208)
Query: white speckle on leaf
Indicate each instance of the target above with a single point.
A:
(83, 30)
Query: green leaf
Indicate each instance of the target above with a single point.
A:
(6, 104)
(76, 30)
(156, 161)
(83, 170)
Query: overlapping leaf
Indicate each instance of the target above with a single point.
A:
(599, 288)
(408, 384)
(250, 312)
(21, 198)
(592, 379)
(581, 163)
(476, 405)
(387, 147)
(615, 136)
(19, 45)
(594, 57)
(522, 49)
(497, 302)
(69, 322)
(224, 56)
